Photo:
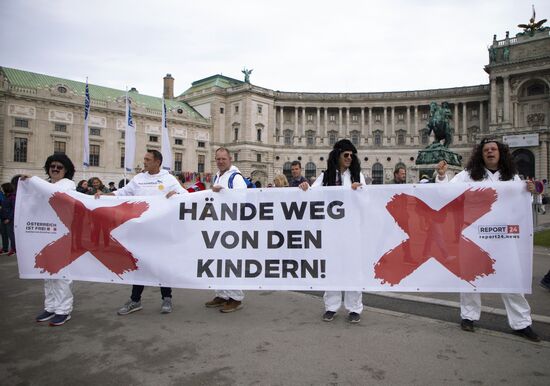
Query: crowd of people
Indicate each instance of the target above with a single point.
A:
(93, 185)
(490, 161)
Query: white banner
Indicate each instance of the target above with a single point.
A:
(425, 237)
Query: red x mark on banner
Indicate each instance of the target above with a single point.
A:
(89, 231)
(437, 234)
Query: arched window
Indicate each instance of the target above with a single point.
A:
(311, 170)
(377, 174)
(259, 129)
(286, 170)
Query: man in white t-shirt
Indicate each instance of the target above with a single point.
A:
(227, 177)
(152, 182)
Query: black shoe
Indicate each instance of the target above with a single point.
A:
(329, 316)
(545, 284)
(354, 317)
(467, 325)
(44, 316)
(528, 333)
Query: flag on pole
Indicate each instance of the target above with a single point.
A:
(86, 152)
(129, 138)
(165, 145)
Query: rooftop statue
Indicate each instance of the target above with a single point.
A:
(247, 74)
(531, 27)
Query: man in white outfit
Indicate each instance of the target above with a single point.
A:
(153, 182)
(227, 177)
(492, 161)
(343, 169)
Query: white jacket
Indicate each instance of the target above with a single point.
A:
(464, 176)
(346, 179)
(145, 184)
(223, 180)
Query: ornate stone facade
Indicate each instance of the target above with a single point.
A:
(265, 130)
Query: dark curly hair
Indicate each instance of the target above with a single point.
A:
(506, 165)
(329, 176)
(62, 159)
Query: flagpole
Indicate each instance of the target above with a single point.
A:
(86, 140)
(125, 135)
(165, 149)
(129, 139)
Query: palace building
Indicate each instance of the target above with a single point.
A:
(265, 130)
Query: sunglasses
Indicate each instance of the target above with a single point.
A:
(57, 167)
(347, 155)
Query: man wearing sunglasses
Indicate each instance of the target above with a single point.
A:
(343, 169)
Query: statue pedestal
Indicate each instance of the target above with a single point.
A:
(437, 152)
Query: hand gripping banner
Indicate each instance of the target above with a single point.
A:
(425, 237)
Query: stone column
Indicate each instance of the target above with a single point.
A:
(506, 99)
(392, 121)
(363, 133)
(318, 122)
(543, 167)
(339, 121)
(481, 112)
(464, 119)
(303, 121)
(282, 120)
(296, 121)
(493, 101)
(409, 130)
(325, 123)
(385, 123)
(346, 131)
(455, 116)
(416, 120)
(370, 121)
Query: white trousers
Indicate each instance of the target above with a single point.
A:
(58, 297)
(517, 309)
(353, 301)
(237, 295)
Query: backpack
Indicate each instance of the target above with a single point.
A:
(248, 182)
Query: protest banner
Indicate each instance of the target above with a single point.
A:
(425, 237)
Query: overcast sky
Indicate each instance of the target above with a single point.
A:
(316, 46)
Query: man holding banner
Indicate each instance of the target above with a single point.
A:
(227, 177)
(152, 182)
(492, 161)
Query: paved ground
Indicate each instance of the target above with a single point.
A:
(277, 339)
